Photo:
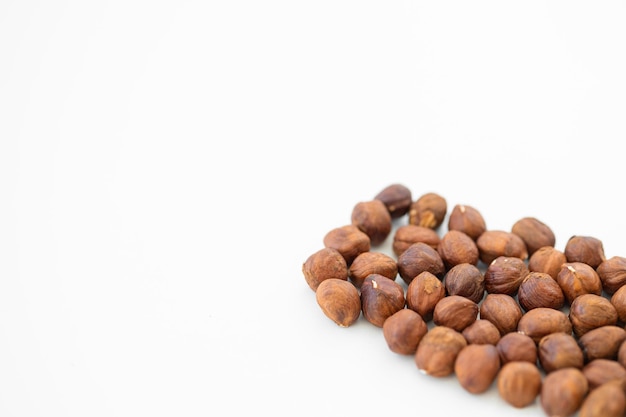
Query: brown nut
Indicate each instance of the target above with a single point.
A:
(504, 275)
(423, 294)
(585, 249)
(372, 263)
(607, 400)
(535, 233)
(602, 343)
(476, 367)
(397, 198)
(403, 331)
(548, 260)
(577, 278)
(468, 220)
(438, 350)
(618, 299)
(408, 234)
(481, 332)
(559, 350)
(517, 347)
(417, 258)
(455, 312)
(519, 383)
(590, 311)
(612, 273)
(380, 298)
(323, 264)
(348, 240)
(494, 243)
(563, 392)
(539, 289)
(465, 280)
(542, 321)
(428, 210)
(502, 310)
(457, 248)
(373, 219)
(339, 300)
(621, 354)
(600, 371)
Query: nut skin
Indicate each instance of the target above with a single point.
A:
(348, 240)
(542, 321)
(417, 258)
(563, 392)
(600, 371)
(372, 263)
(505, 274)
(467, 219)
(481, 332)
(590, 311)
(457, 248)
(494, 243)
(429, 210)
(438, 350)
(397, 198)
(607, 400)
(465, 280)
(548, 260)
(502, 310)
(339, 301)
(612, 273)
(403, 331)
(535, 233)
(602, 343)
(476, 367)
(324, 264)
(618, 300)
(585, 249)
(577, 278)
(517, 347)
(408, 234)
(559, 350)
(381, 297)
(621, 354)
(539, 289)
(423, 294)
(455, 312)
(373, 219)
(519, 383)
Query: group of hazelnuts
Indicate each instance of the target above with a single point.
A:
(492, 307)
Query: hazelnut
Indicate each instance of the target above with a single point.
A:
(539, 289)
(465, 280)
(397, 198)
(600, 371)
(438, 350)
(602, 343)
(621, 354)
(339, 300)
(408, 234)
(559, 350)
(476, 367)
(380, 298)
(468, 220)
(373, 219)
(618, 300)
(577, 278)
(519, 383)
(417, 258)
(607, 400)
(455, 312)
(542, 321)
(504, 275)
(563, 392)
(428, 210)
(348, 240)
(372, 263)
(612, 273)
(502, 310)
(590, 311)
(457, 248)
(323, 264)
(481, 332)
(403, 331)
(548, 260)
(585, 249)
(423, 294)
(494, 243)
(517, 347)
(534, 233)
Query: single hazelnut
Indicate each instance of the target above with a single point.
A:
(417, 258)
(323, 264)
(539, 289)
(563, 392)
(348, 240)
(397, 198)
(607, 400)
(408, 234)
(380, 298)
(372, 263)
(468, 220)
(505, 274)
(502, 310)
(428, 210)
(602, 342)
(494, 243)
(559, 350)
(535, 233)
(542, 321)
(373, 219)
(339, 301)
(455, 312)
(476, 367)
(548, 260)
(600, 371)
(438, 350)
(519, 383)
(457, 248)
(423, 294)
(590, 311)
(517, 347)
(481, 332)
(618, 300)
(403, 331)
(577, 278)
(465, 280)
(612, 273)
(585, 249)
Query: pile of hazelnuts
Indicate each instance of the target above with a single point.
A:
(502, 308)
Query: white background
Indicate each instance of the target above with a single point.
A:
(167, 166)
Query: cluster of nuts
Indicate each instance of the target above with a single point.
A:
(501, 308)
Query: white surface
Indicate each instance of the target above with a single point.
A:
(167, 166)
